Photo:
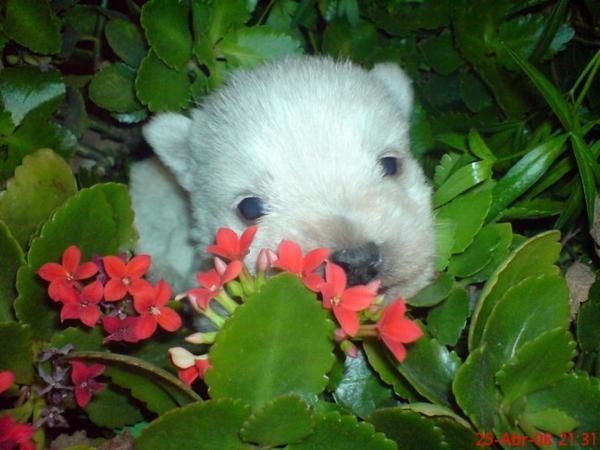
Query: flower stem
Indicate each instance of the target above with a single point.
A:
(215, 318)
(226, 301)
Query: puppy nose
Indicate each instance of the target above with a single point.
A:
(362, 264)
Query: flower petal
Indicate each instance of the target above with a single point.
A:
(403, 330)
(7, 378)
(246, 239)
(189, 375)
(289, 257)
(396, 348)
(93, 292)
(114, 290)
(162, 293)
(357, 298)
(348, 320)
(145, 327)
(78, 372)
(335, 276)
(89, 315)
(138, 266)
(168, 319)
(82, 396)
(314, 258)
(114, 267)
(86, 270)
(208, 279)
(71, 258)
(52, 271)
(70, 310)
(232, 271)
(313, 281)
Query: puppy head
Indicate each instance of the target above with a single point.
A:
(314, 151)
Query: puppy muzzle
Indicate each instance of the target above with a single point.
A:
(362, 264)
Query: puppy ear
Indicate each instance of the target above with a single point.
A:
(168, 133)
(398, 85)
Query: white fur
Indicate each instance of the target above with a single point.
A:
(306, 135)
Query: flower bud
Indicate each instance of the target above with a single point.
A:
(182, 358)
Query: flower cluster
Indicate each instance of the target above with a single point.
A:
(13, 434)
(359, 310)
(112, 290)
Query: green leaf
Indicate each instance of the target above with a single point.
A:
(11, 258)
(167, 28)
(33, 24)
(449, 162)
(533, 209)
(551, 94)
(475, 95)
(284, 420)
(440, 54)
(467, 212)
(588, 318)
(402, 425)
(526, 310)
(475, 389)
(525, 173)
(41, 184)
(175, 86)
(89, 339)
(463, 179)
(434, 293)
(478, 146)
(24, 89)
(533, 367)
(577, 396)
(225, 15)
(250, 46)
(17, 351)
(383, 365)
(360, 389)
(343, 40)
(447, 320)
(553, 420)
(335, 432)
(112, 408)
(126, 40)
(533, 258)
(504, 230)
(477, 255)
(269, 350)
(210, 425)
(589, 171)
(445, 234)
(99, 221)
(112, 88)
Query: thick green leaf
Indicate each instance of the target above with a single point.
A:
(475, 95)
(250, 46)
(445, 235)
(167, 27)
(588, 318)
(533, 258)
(267, 336)
(504, 230)
(17, 351)
(447, 320)
(525, 173)
(478, 146)
(589, 171)
(534, 367)
(551, 94)
(533, 209)
(11, 258)
(284, 420)
(475, 389)
(477, 255)
(23, 89)
(42, 183)
(434, 293)
(553, 420)
(112, 408)
(225, 15)
(340, 39)
(576, 395)
(175, 86)
(360, 389)
(33, 24)
(463, 179)
(89, 339)
(113, 88)
(385, 367)
(335, 432)
(440, 54)
(526, 310)
(468, 212)
(126, 40)
(99, 221)
(200, 426)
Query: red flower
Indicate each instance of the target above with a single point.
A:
(395, 329)
(290, 259)
(150, 303)
(124, 277)
(82, 377)
(66, 274)
(229, 246)
(82, 305)
(120, 329)
(7, 378)
(191, 366)
(13, 434)
(345, 303)
(212, 283)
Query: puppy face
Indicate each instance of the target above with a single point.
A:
(313, 151)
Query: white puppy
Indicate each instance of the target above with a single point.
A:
(311, 150)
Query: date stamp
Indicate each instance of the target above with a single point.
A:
(539, 439)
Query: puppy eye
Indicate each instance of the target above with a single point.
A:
(391, 166)
(252, 208)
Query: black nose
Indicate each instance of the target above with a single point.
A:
(362, 264)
